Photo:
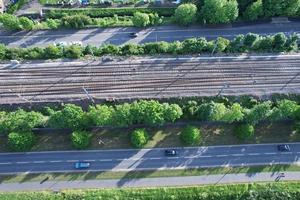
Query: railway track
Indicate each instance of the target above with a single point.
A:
(148, 79)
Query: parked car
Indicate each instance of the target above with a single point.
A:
(283, 147)
(133, 35)
(63, 43)
(79, 43)
(82, 165)
(171, 152)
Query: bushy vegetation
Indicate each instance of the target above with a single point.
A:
(80, 139)
(139, 138)
(185, 14)
(244, 131)
(16, 6)
(263, 191)
(241, 44)
(191, 135)
(20, 141)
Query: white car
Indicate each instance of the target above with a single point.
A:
(60, 43)
(79, 43)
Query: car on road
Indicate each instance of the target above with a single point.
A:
(79, 43)
(283, 147)
(133, 35)
(171, 152)
(82, 165)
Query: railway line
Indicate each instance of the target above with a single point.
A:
(153, 78)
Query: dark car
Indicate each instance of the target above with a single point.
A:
(283, 147)
(82, 165)
(133, 35)
(171, 152)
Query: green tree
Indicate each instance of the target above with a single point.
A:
(71, 116)
(266, 43)
(258, 113)
(26, 23)
(139, 138)
(101, 115)
(190, 135)
(185, 14)
(140, 19)
(73, 51)
(172, 112)
(211, 111)
(155, 19)
(237, 44)
(52, 23)
(22, 121)
(280, 41)
(122, 115)
(2, 51)
(132, 49)
(21, 141)
(234, 113)
(109, 49)
(251, 40)
(254, 11)
(219, 11)
(222, 44)
(280, 7)
(285, 109)
(10, 22)
(80, 139)
(244, 131)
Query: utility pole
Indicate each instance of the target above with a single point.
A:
(226, 85)
(88, 95)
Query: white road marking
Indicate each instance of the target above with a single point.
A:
(22, 162)
(56, 161)
(72, 160)
(39, 161)
(7, 163)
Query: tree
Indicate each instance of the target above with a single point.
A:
(122, 115)
(234, 113)
(155, 19)
(26, 23)
(237, 44)
(222, 44)
(280, 7)
(279, 41)
(219, 11)
(139, 138)
(171, 112)
(211, 111)
(244, 131)
(254, 11)
(266, 43)
(132, 49)
(22, 121)
(140, 19)
(71, 116)
(21, 141)
(251, 40)
(2, 51)
(73, 51)
(109, 49)
(185, 14)
(10, 22)
(285, 109)
(52, 23)
(190, 135)
(101, 115)
(258, 113)
(80, 139)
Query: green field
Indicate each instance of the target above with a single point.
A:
(266, 191)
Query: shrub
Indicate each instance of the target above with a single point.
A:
(185, 14)
(219, 11)
(266, 43)
(222, 44)
(16, 6)
(139, 138)
(234, 113)
(280, 41)
(26, 23)
(21, 141)
(211, 111)
(71, 116)
(52, 24)
(53, 52)
(285, 109)
(254, 11)
(244, 131)
(190, 135)
(80, 139)
(258, 113)
(140, 19)
(297, 127)
(76, 21)
(101, 115)
(2, 51)
(251, 40)
(73, 51)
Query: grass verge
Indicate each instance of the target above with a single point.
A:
(143, 174)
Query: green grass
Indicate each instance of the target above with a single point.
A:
(143, 174)
(261, 191)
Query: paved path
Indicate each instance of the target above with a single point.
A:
(151, 182)
(148, 159)
(154, 78)
(121, 35)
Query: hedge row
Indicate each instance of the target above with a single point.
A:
(146, 112)
(241, 44)
(265, 191)
(107, 12)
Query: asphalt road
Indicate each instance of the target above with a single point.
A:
(153, 78)
(148, 159)
(121, 35)
(152, 182)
